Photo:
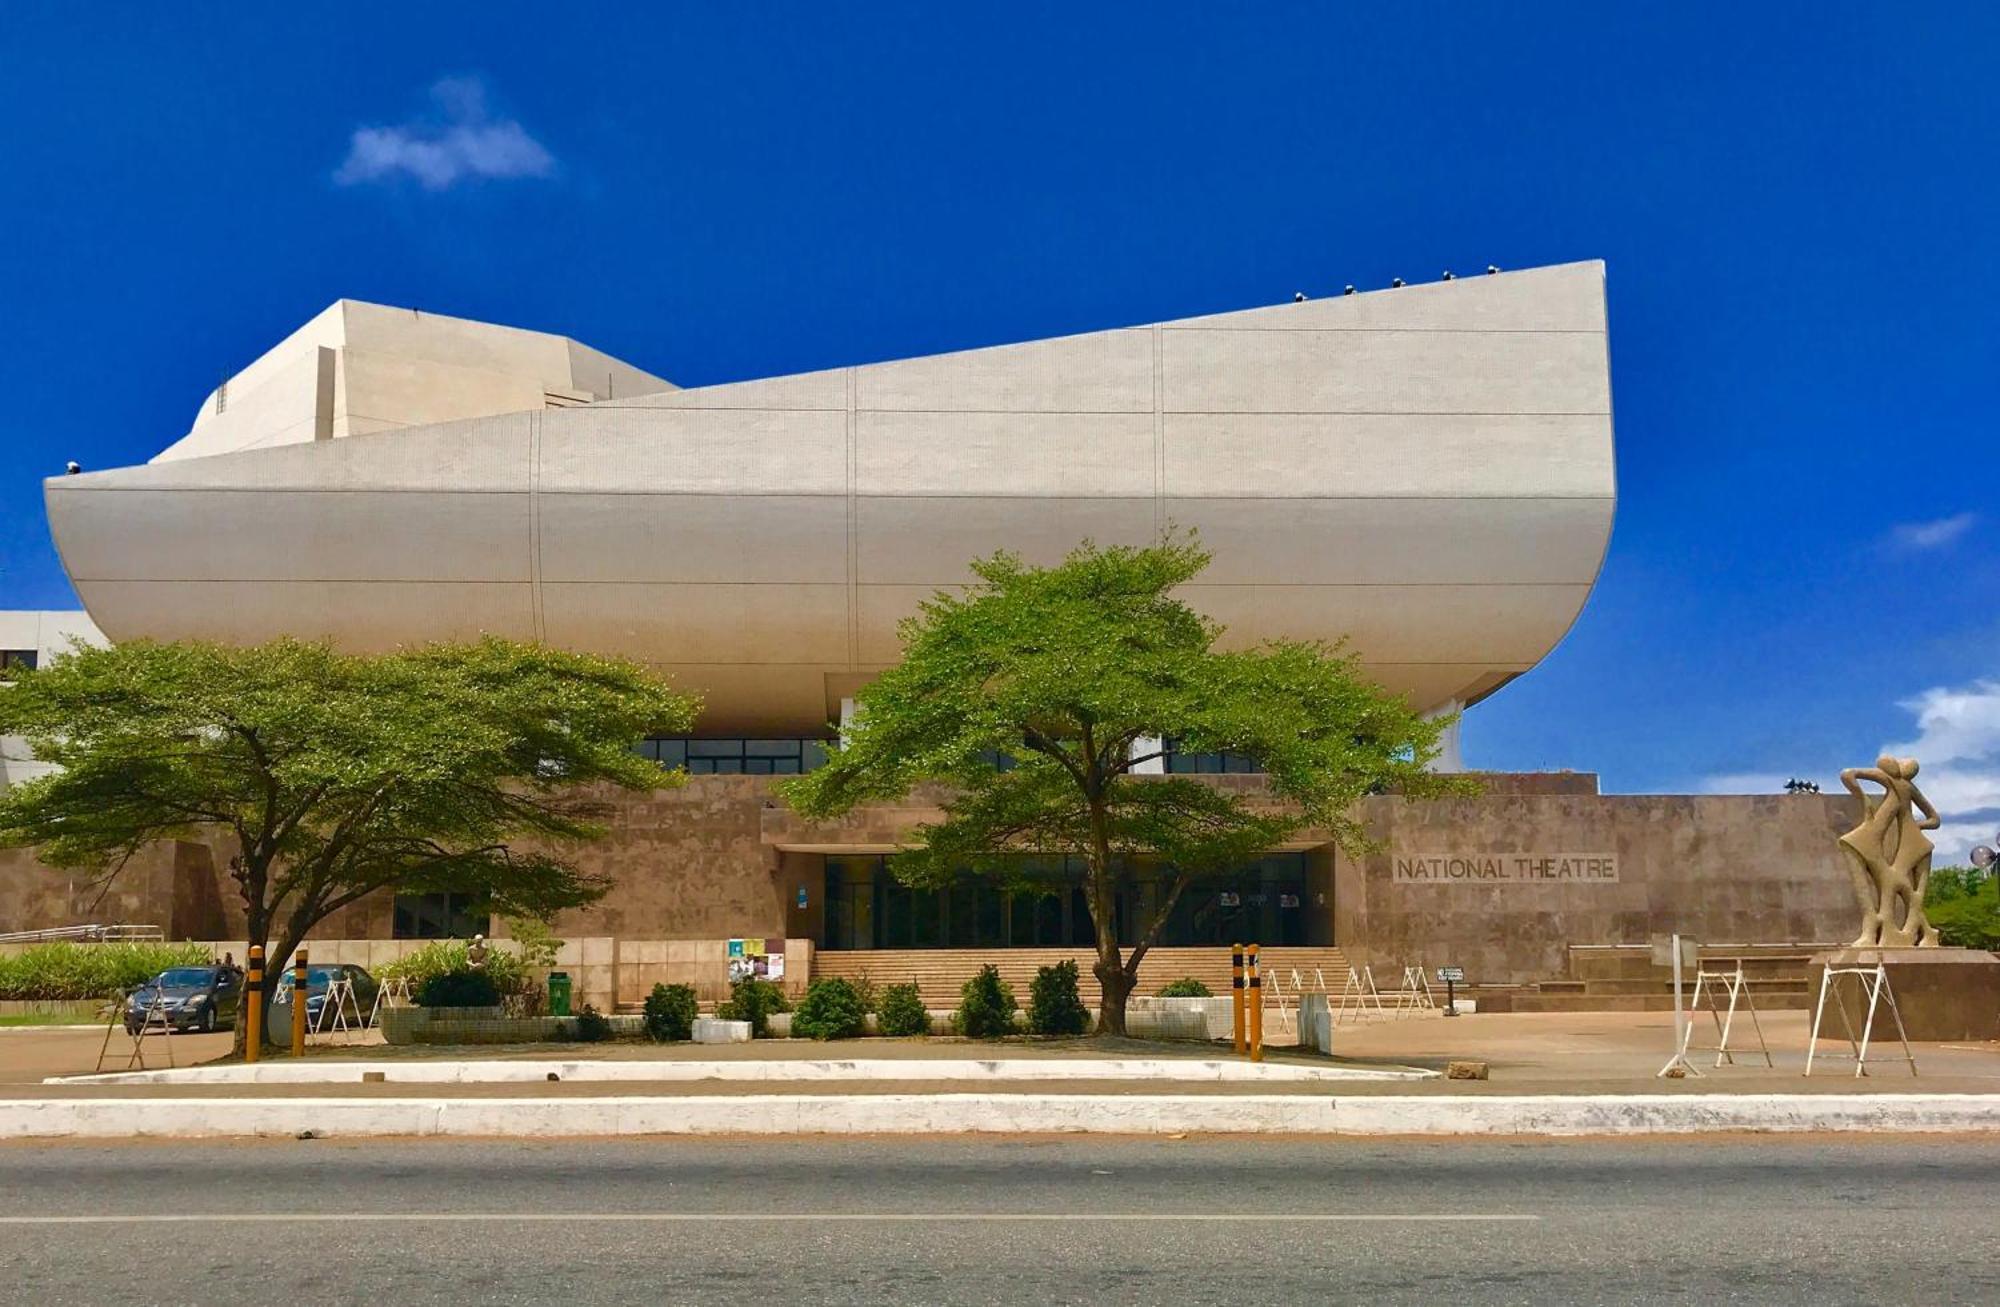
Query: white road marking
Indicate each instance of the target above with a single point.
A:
(417, 1218)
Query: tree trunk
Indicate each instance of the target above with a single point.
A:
(1116, 986)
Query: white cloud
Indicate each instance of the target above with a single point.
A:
(1934, 534)
(461, 141)
(1958, 744)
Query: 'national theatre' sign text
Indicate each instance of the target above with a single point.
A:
(1505, 868)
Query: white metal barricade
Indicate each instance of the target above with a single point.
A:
(331, 1019)
(1874, 983)
(1714, 985)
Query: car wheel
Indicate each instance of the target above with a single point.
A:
(208, 1021)
(132, 1029)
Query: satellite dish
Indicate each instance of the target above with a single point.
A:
(1982, 856)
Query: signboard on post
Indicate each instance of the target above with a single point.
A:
(1451, 978)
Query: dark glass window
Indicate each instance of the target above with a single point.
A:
(1209, 764)
(867, 907)
(734, 757)
(439, 916)
(12, 658)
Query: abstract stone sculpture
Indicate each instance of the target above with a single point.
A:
(1890, 856)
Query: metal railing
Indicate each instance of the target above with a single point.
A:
(85, 934)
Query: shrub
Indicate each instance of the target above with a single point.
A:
(1185, 987)
(902, 1012)
(459, 989)
(754, 1000)
(670, 1013)
(86, 971)
(986, 1006)
(1054, 1007)
(444, 957)
(831, 1009)
(866, 989)
(591, 1026)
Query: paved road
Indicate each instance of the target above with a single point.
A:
(1819, 1221)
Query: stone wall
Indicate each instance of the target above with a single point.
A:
(721, 858)
(1723, 869)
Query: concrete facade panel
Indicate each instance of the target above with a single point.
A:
(673, 624)
(640, 537)
(288, 535)
(366, 616)
(1059, 454)
(1506, 624)
(1284, 371)
(476, 456)
(1565, 297)
(807, 390)
(694, 451)
(1102, 372)
(910, 540)
(1389, 455)
(1398, 541)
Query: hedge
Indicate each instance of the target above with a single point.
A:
(87, 971)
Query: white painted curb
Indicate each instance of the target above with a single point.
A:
(314, 1071)
(108, 1118)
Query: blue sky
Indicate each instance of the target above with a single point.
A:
(1795, 202)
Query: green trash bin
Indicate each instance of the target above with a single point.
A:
(559, 993)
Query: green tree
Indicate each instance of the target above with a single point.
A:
(335, 776)
(1036, 694)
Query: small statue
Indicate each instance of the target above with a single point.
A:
(1890, 856)
(475, 953)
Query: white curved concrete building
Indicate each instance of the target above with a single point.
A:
(1425, 471)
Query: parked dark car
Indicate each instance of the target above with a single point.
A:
(319, 982)
(190, 998)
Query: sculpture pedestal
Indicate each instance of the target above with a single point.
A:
(1942, 993)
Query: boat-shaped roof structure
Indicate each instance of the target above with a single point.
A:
(1426, 472)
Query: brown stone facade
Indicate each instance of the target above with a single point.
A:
(1536, 863)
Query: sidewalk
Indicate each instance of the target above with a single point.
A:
(1551, 1073)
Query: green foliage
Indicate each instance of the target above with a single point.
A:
(1054, 1007)
(89, 971)
(986, 1006)
(459, 989)
(831, 1009)
(465, 768)
(1064, 670)
(754, 1000)
(670, 1013)
(901, 1012)
(534, 942)
(865, 987)
(591, 1026)
(1967, 911)
(1185, 987)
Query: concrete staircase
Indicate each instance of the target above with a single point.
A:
(939, 974)
(1623, 978)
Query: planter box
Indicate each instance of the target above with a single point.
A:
(714, 1030)
(1201, 1019)
(463, 1025)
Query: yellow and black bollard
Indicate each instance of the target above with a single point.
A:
(1256, 1009)
(301, 990)
(253, 999)
(1236, 998)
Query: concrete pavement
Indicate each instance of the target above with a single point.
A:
(1806, 1221)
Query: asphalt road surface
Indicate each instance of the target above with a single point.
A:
(1820, 1221)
